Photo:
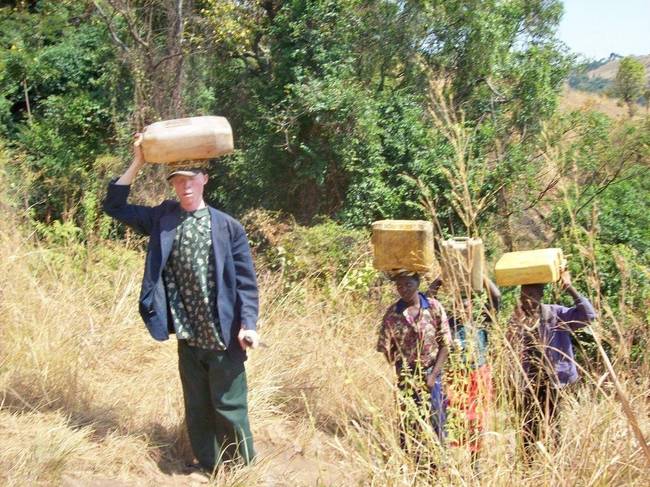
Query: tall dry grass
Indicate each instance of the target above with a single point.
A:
(81, 380)
(86, 394)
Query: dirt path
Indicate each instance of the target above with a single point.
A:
(287, 456)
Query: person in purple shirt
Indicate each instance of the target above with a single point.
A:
(541, 334)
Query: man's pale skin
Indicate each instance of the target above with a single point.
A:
(189, 191)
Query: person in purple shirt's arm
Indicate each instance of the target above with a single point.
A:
(543, 337)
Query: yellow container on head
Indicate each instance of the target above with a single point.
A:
(539, 266)
(403, 245)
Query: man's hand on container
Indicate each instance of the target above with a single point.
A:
(248, 339)
(565, 280)
(138, 154)
(137, 163)
(566, 285)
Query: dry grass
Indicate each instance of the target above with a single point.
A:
(87, 395)
(581, 100)
(81, 379)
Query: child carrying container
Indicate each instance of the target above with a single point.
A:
(468, 377)
(414, 337)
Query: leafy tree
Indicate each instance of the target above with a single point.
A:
(330, 101)
(606, 169)
(154, 40)
(630, 82)
(314, 112)
(61, 91)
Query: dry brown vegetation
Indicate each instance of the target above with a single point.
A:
(582, 100)
(88, 397)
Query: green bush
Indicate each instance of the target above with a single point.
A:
(327, 252)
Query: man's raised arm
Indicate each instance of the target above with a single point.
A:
(115, 204)
(138, 161)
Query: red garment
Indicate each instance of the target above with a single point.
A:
(470, 395)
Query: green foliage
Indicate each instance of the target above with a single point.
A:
(327, 98)
(58, 233)
(604, 227)
(624, 216)
(328, 102)
(359, 277)
(61, 146)
(334, 101)
(582, 82)
(622, 286)
(609, 167)
(579, 79)
(95, 224)
(326, 250)
(64, 70)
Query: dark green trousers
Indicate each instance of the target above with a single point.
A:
(216, 406)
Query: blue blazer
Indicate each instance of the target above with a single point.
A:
(237, 295)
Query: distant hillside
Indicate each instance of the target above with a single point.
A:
(609, 69)
(597, 76)
(574, 99)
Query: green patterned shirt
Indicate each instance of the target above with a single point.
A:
(190, 282)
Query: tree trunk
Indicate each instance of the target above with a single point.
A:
(152, 47)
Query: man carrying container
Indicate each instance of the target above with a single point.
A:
(199, 283)
(541, 334)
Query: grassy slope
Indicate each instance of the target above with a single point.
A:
(576, 99)
(609, 69)
(583, 100)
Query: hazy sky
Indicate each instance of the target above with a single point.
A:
(597, 28)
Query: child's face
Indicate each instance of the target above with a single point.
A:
(407, 288)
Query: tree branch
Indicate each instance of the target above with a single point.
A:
(613, 180)
(130, 24)
(109, 24)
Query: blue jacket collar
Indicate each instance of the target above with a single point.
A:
(401, 304)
